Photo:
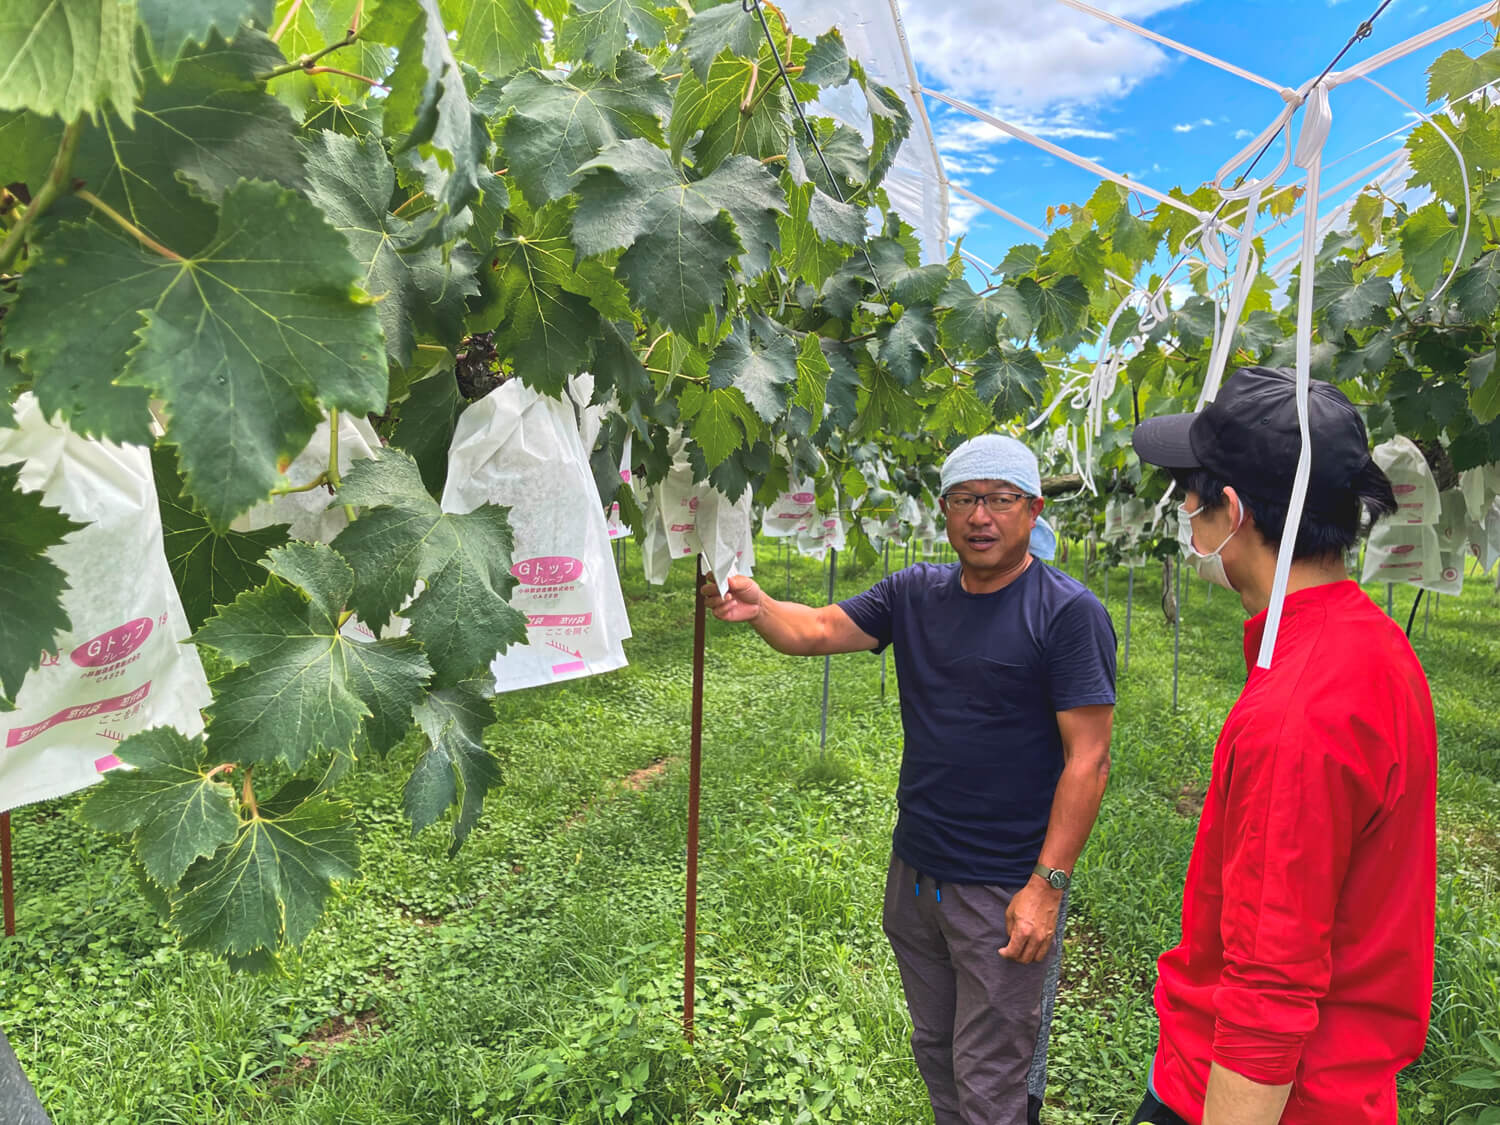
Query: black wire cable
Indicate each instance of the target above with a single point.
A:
(1412, 620)
(748, 6)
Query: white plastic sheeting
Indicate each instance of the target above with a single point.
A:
(916, 184)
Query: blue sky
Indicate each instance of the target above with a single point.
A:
(1139, 108)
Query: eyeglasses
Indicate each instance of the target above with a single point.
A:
(962, 503)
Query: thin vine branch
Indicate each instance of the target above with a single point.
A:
(286, 21)
(306, 62)
(54, 185)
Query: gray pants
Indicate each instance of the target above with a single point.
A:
(978, 1031)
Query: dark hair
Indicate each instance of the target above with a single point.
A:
(1329, 528)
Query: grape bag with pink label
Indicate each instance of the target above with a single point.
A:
(523, 450)
(122, 667)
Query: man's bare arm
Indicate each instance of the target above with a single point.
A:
(789, 627)
(1031, 920)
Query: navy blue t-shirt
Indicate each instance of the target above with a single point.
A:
(982, 677)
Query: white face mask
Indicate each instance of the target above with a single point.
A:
(1210, 567)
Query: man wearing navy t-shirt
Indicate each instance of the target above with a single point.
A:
(1006, 671)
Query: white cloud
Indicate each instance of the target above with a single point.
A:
(1029, 56)
(1189, 126)
(1243, 134)
(958, 133)
(1182, 128)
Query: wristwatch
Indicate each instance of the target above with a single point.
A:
(1055, 877)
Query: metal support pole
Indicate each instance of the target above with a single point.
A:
(695, 777)
(6, 877)
(1129, 606)
(1390, 599)
(1176, 628)
(885, 567)
(833, 569)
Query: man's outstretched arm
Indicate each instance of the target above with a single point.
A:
(789, 627)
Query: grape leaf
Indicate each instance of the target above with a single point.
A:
(1476, 135)
(210, 569)
(417, 291)
(907, 283)
(31, 584)
(556, 125)
(28, 142)
(1484, 387)
(1429, 240)
(306, 29)
(461, 617)
(973, 322)
(761, 364)
(1346, 303)
(299, 685)
(240, 342)
(678, 237)
(907, 345)
(438, 132)
(762, 131)
(172, 25)
(1060, 310)
(68, 57)
(1477, 289)
(543, 323)
(175, 805)
(726, 27)
(457, 767)
(596, 31)
(193, 139)
(425, 428)
(890, 124)
(714, 417)
(1454, 74)
(497, 36)
(959, 411)
(1010, 380)
(827, 64)
(270, 883)
(813, 371)
(1022, 258)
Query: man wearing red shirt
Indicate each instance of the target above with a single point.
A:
(1303, 980)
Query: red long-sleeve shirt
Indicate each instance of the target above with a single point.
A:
(1309, 911)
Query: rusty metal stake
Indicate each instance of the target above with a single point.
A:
(6, 877)
(695, 777)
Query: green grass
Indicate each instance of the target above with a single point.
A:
(536, 977)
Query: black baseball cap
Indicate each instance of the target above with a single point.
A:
(1248, 437)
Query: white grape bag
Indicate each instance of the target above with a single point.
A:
(827, 532)
(311, 515)
(520, 449)
(123, 667)
(679, 498)
(1487, 545)
(1408, 554)
(1114, 521)
(725, 536)
(1416, 491)
(1452, 525)
(793, 511)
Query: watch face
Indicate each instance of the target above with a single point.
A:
(1058, 879)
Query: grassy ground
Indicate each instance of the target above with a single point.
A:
(536, 977)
